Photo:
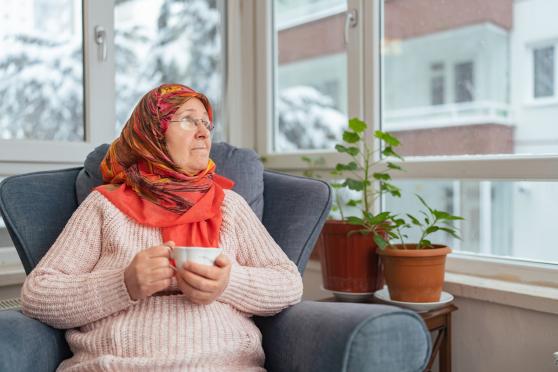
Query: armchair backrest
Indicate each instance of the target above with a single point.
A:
(36, 207)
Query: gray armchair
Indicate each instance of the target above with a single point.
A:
(310, 336)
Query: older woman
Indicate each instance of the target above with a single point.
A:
(109, 280)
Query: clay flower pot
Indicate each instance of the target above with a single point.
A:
(349, 263)
(414, 275)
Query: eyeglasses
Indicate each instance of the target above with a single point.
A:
(191, 124)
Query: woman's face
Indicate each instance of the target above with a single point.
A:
(189, 147)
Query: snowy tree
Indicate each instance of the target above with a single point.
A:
(307, 120)
(41, 88)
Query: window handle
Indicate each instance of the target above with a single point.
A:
(351, 20)
(100, 39)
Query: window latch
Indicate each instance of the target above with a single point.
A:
(351, 21)
(100, 39)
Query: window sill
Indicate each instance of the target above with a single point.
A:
(542, 102)
(11, 275)
(525, 296)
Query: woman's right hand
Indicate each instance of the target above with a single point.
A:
(149, 272)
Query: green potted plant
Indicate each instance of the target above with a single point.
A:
(415, 272)
(347, 246)
(350, 247)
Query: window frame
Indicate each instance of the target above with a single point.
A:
(366, 45)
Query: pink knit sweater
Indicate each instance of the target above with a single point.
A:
(79, 286)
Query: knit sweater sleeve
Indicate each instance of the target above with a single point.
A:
(64, 290)
(263, 280)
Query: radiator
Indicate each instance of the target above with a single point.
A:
(10, 304)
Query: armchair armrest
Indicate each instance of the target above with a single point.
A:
(295, 211)
(327, 336)
(29, 345)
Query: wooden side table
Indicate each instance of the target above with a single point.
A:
(438, 322)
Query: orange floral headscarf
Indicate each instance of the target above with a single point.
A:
(145, 184)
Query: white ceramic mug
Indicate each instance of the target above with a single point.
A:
(201, 255)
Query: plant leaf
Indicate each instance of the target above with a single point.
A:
(381, 176)
(391, 165)
(354, 184)
(387, 138)
(432, 229)
(393, 190)
(350, 137)
(354, 202)
(388, 151)
(341, 148)
(441, 215)
(379, 218)
(425, 243)
(353, 151)
(357, 125)
(355, 220)
(381, 242)
(450, 231)
(414, 220)
(424, 203)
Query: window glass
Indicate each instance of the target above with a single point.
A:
(481, 101)
(464, 82)
(168, 41)
(41, 70)
(544, 72)
(311, 74)
(504, 219)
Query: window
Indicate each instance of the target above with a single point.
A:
(41, 70)
(311, 65)
(543, 63)
(437, 84)
(450, 83)
(464, 82)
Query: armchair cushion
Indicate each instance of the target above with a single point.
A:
(349, 337)
(29, 345)
(243, 166)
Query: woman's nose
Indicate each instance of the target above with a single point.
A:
(202, 131)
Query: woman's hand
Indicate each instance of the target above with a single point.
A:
(149, 272)
(203, 284)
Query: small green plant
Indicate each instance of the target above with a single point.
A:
(432, 221)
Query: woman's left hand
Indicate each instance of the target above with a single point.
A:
(203, 284)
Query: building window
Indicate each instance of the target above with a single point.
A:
(464, 82)
(437, 83)
(543, 63)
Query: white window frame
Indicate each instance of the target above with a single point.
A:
(364, 87)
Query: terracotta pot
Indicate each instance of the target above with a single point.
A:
(349, 263)
(415, 275)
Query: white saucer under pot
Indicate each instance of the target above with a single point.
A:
(445, 298)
